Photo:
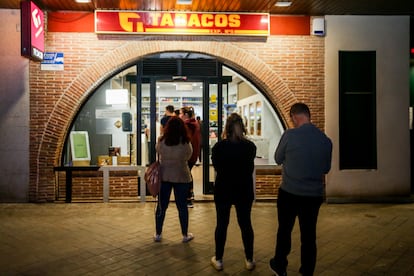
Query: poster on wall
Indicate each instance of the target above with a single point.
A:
(32, 31)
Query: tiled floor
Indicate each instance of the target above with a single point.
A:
(116, 239)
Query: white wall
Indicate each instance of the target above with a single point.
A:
(389, 37)
(272, 128)
(14, 112)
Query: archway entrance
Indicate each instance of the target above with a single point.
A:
(123, 114)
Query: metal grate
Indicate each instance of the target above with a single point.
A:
(180, 67)
(199, 67)
(159, 67)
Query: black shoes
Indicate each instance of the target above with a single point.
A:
(190, 200)
(275, 270)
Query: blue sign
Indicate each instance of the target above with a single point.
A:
(52, 61)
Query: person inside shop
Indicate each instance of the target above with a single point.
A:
(305, 154)
(233, 160)
(188, 116)
(174, 150)
(169, 112)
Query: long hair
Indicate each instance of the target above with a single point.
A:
(234, 129)
(189, 110)
(175, 132)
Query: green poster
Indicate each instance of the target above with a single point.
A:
(80, 146)
(79, 142)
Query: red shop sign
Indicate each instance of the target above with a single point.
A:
(181, 23)
(33, 31)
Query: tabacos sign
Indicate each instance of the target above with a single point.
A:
(184, 23)
(32, 31)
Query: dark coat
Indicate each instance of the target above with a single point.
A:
(234, 164)
(195, 137)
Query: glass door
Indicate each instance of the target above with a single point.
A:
(208, 103)
(217, 108)
(157, 95)
(211, 133)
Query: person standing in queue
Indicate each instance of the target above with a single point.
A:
(169, 112)
(188, 116)
(233, 160)
(174, 150)
(305, 153)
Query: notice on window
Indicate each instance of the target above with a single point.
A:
(79, 143)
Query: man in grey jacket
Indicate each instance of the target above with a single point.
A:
(305, 154)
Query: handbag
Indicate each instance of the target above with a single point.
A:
(152, 177)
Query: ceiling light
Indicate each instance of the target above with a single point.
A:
(283, 3)
(184, 2)
(82, 1)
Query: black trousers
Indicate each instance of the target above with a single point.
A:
(243, 211)
(306, 208)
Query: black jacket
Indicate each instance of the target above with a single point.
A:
(234, 164)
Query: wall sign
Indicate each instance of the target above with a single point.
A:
(52, 61)
(181, 23)
(32, 31)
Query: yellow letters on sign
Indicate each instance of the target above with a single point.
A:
(130, 22)
(167, 20)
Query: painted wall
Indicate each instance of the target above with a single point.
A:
(14, 112)
(389, 37)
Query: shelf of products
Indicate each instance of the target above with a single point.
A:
(177, 102)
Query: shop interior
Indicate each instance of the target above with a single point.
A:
(109, 119)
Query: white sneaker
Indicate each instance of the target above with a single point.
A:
(157, 238)
(217, 264)
(188, 238)
(250, 264)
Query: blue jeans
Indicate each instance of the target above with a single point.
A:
(306, 208)
(180, 194)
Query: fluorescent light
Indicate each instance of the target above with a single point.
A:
(283, 3)
(184, 2)
(116, 96)
(82, 1)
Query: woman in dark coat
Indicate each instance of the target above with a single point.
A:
(233, 160)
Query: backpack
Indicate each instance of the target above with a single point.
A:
(152, 177)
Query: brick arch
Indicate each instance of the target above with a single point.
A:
(67, 106)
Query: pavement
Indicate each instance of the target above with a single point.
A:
(116, 239)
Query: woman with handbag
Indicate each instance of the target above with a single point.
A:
(233, 160)
(174, 149)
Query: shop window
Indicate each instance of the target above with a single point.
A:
(357, 110)
(110, 115)
(107, 119)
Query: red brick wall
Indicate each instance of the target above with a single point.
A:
(89, 185)
(286, 68)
